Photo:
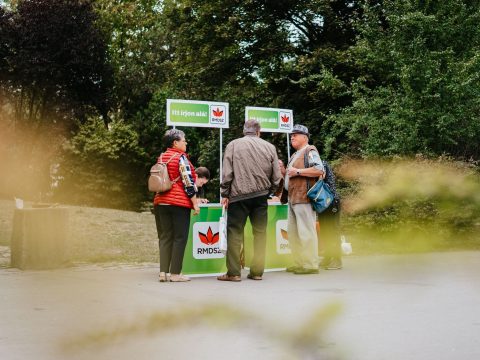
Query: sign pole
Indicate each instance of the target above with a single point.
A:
(288, 146)
(221, 159)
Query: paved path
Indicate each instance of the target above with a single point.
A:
(392, 307)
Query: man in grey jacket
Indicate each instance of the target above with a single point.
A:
(250, 174)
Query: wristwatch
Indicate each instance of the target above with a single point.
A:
(298, 172)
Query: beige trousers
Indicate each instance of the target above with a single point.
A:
(302, 235)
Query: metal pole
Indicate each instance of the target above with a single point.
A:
(288, 146)
(221, 158)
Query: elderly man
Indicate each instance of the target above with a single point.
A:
(304, 166)
(250, 174)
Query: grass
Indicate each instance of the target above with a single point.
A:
(99, 235)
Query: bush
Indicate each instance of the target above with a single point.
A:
(102, 167)
(410, 205)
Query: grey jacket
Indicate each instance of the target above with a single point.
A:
(250, 169)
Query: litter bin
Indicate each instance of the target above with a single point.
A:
(38, 238)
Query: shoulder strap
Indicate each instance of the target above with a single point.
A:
(166, 162)
(326, 166)
(179, 176)
(171, 158)
(305, 163)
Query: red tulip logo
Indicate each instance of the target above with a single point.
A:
(285, 118)
(218, 112)
(209, 238)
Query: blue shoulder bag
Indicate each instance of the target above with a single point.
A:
(320, 196)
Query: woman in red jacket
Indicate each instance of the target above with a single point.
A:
(172, 208)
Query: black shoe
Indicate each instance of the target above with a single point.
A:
(304, 271)
(254, 277)
(292, 268)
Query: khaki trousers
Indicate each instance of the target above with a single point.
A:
(302, 235)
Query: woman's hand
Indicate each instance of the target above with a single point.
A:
(196, 209)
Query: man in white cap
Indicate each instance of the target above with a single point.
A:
(304, 166)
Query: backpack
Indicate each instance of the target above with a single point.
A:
(159, 180)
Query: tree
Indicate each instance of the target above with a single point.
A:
(58, 60)
(292, 54)
(137, 49)
(54, 74)
(285, 53)
(420, 94)
(102, 167)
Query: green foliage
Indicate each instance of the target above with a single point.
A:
(407, 205)
(53, 74)
(369, 78)
(56, 60)
(5, 33)
(419, 93)
(138, 51)
(103, 167)
(289, 54)
(300, 341)
(263, 53)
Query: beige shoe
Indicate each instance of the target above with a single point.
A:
(164, 277)
(179, 278)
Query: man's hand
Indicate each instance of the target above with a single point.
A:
(224, 202)
(292, 172)
(203, 201)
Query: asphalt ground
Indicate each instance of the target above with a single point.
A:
(423, 306)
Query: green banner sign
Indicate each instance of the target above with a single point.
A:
(203, 256)
(197, 113)
(271, 119)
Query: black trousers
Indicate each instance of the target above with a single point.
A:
(329, 234)
(173, 223)
(257, 210)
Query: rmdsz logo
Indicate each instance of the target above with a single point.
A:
(205, 241)
(285, 122)
(283, 246)
(218, 114)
